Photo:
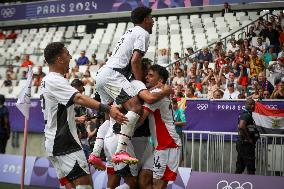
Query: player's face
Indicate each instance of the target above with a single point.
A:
(149, 22)
(152, 79)
(65, 59)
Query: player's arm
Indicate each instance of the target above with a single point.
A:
(136, 65)
(113, 111)
(151, 98)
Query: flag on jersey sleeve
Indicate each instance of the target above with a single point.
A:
(270, 120)
(24, 100)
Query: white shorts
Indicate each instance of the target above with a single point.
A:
(139, 147)
(166, 163)
(70, 166)
(113, 86)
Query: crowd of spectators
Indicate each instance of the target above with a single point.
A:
(249, 67)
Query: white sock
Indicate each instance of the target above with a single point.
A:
(83, 187)
(126, 131)
(99, 143)
(124, 186)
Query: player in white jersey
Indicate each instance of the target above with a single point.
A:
(167, 142)
(113, 85)
(58, 97)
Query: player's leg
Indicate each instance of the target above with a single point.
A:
(95, 158)
(72, 169)
(165, 167)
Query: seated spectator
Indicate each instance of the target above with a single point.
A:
(17, 61)
(277, 69)
(2, 35)
(38, 76)
(190, 54)
(221, 61)
(163, 57)
(87, 79)
(233, 46)
(278, 93)
(266, 94)
(272, 35)
(204, 55)
(94, 60)
(270, 55)
(251, 33)
(190, 92)
(178, 79)
(231, 93)
(82, 60)
(24, 75)
(211, 84)
(218, 94)
(256, 64)
(260, 25)
(8, 81)
(75, 74)
(10, 70)
(281, 34)
(179, 117)
(226, 9)
(263, 83)
(260, 46)
(12, 35)
(246, 44)
(243, 79)
(27, 61)
(281, 53)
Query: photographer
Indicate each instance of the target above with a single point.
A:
(246, 141)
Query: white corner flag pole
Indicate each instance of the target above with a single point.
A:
(23, 104)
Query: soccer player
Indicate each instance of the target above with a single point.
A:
(113, 81)
(167, 142)
(61, 139)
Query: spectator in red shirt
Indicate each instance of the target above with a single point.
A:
(2, 35)
(12, 35)
(27, 61)
(221, 61)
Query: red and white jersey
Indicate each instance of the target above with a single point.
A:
(161, 124)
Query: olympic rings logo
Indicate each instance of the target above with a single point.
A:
(202, 106)
(223, 184)
(8, 12)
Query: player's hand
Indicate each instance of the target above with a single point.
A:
(81, 119)
(117, 115)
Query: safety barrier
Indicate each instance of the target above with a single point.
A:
(216, 152)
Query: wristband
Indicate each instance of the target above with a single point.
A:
(104, 108)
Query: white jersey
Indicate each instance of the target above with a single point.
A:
(134, 39)
(162, 124)
(58, 110)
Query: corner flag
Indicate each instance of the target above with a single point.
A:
(24, 101)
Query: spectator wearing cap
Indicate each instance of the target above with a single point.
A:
(256, 64)
(27, 61)
(231, 93)
(226, 9)
(82, 60)
(277, 68)
(272, 35)
(270, 55)
(278, 93)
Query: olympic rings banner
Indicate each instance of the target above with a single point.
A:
(40, 172)
(59, 8)
(219, 116)
(201, 115)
